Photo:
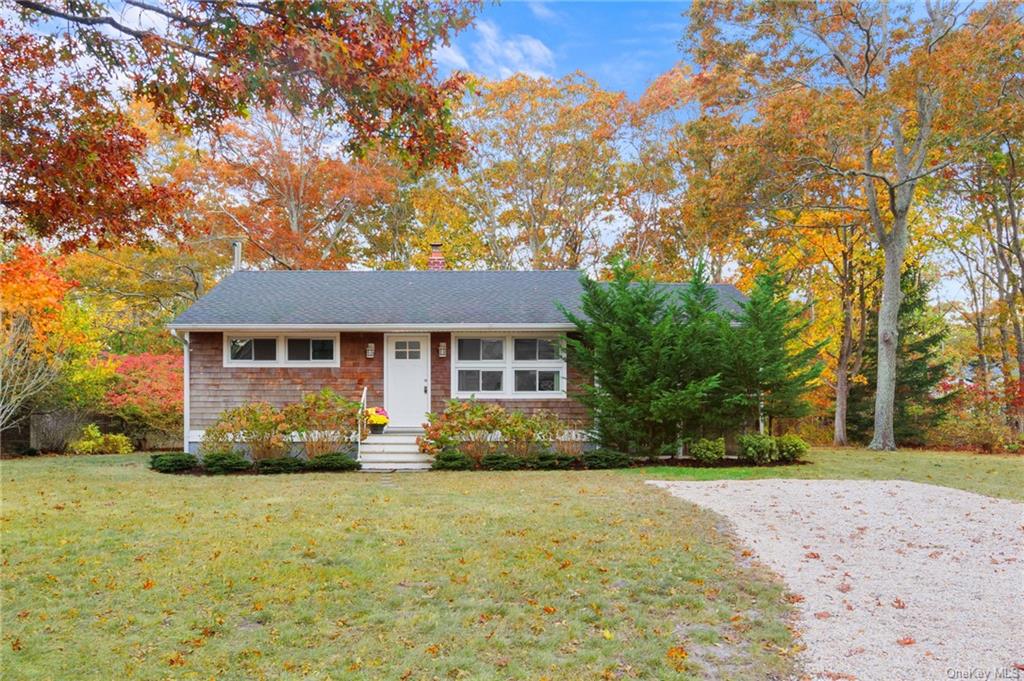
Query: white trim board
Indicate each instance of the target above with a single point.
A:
(396, 328)
(281, 351)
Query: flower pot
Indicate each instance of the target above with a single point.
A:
(376, 429)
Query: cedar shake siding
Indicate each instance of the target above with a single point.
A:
(566, 408)
(214, 387)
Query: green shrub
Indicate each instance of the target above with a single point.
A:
(791, 448)
(225, 462)
(282, 464)
(452, 460)
(334, 461)
(708, 451)
(173, 462)
(552, 461)
(92, 441)
(606, 458)
(502, 461)
(758, 449)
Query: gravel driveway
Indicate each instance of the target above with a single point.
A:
(892, 580)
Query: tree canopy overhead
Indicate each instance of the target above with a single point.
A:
(366, 63)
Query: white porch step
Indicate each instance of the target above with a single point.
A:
(414, 457)
(393, 451)
(389, 447)
(377, 467)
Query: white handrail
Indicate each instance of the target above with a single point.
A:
(359, 426)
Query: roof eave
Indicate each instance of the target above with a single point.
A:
(468, 326)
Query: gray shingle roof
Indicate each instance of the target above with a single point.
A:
(393, 298)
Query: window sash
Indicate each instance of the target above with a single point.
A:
(281, 351)
(529, 361)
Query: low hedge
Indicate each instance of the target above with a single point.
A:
(762, 450)
(219, 463)
(606, 458)
(758, 449)
(281, 464)
(552, 461)
(502, 461)
(173, 462)
(335, 461)
(791, 448)
(708, 451)
(451, 460)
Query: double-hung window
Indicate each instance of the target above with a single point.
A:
(281, 351)
(512, 366)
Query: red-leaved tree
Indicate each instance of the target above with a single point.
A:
(147, 393)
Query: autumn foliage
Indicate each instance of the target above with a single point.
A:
(147, 392)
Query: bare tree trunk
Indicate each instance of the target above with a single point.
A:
(894, 247)
(842, 397)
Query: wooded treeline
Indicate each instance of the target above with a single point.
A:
(872, 151)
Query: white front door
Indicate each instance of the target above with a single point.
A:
(407, 379)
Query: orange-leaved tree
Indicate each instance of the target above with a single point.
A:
(857, 90)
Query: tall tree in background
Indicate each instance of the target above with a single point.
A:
(285, 181)
(921, 369)
(539, 181)
(70, 154)
(366, 64)
(867, 89)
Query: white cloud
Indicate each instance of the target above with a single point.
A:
(542, 11)
(451, 56)
(498, 56)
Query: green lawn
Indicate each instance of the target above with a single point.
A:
(112, 571)
(997, 476)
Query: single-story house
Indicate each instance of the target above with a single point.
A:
(412, 339)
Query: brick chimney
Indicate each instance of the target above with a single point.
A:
(436, 259)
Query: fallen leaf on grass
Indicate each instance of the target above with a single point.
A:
(676, 653)
(844, 587)
(148, 584)
(822, 615)
(906, 641)
(794, 598)
(812, 555)
(550, 610)
(899, 604)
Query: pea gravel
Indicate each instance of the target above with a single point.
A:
(891, 579)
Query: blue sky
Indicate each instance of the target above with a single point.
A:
(623, 45)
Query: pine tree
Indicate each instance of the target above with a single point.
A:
(630, 339)
(921, 334)
(769, 369)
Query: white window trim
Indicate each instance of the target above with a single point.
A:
(282, 351)
(508, 367)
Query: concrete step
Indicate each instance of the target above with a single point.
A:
(384, 449)
(388, 438)
(385, 457)
(379, 467)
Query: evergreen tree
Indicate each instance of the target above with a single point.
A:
(702, 329)
(629, 339)
(768, 369)
(921, 334)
